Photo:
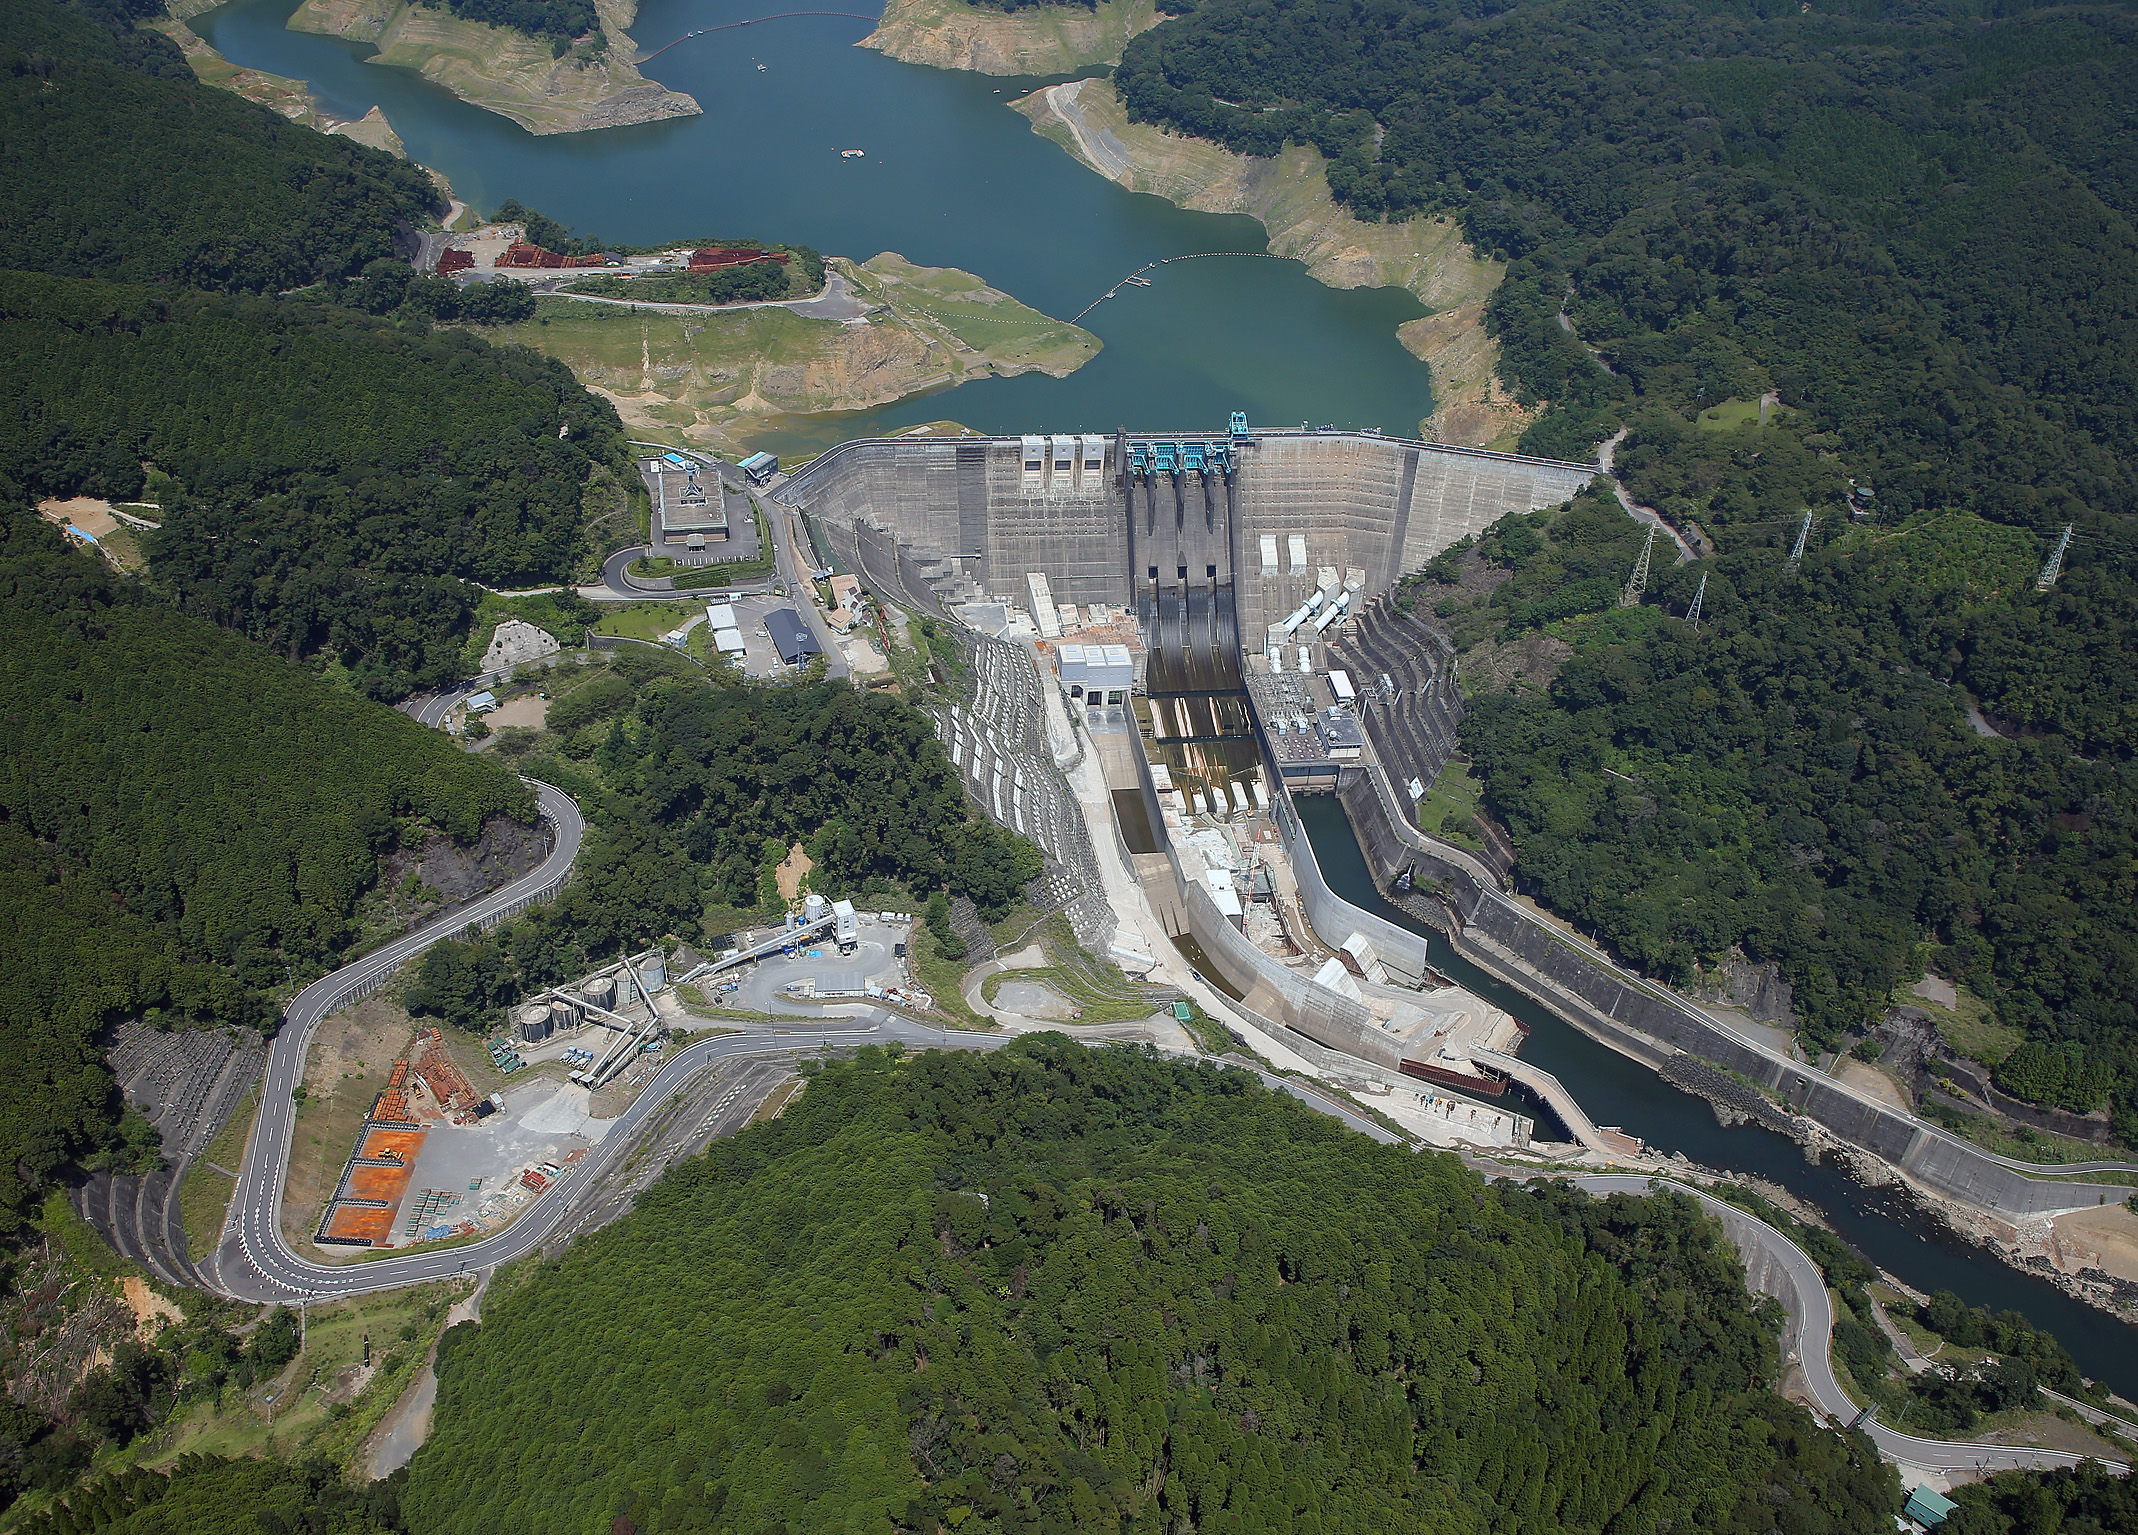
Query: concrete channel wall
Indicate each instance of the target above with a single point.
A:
(962, 509)
(1651, 1026)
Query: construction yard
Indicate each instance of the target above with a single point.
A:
(410, 1135)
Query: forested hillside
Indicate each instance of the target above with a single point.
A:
(121, 165)
(1801, 777)
(184, 822)
(1913, 225)
(697, 792)
(1053, 1288)
(338, 476)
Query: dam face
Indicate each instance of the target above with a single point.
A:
(1243, 543)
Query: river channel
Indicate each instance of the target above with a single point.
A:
(1615, 1090)
(951, 177)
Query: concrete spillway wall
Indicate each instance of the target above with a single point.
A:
(1371, 507)
(1652, 1026)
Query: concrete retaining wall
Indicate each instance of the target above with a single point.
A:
(1603, 1000)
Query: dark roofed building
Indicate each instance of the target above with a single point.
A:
(791, 636)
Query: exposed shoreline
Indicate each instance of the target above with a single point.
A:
(504, 71)
(713, 377)
(1290, 196)
(1042, 40)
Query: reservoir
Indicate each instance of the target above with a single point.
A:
(950, 177)
(1614, 1090)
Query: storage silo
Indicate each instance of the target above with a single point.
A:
(653, 971)
(537, 1023)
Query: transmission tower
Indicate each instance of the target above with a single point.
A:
(2054, 565)
(1699, 594)
(1796, 555)
(1638, 581)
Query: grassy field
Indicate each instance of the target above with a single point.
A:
(1969, 1026)
(1732, 414)
(204, 1198)
(1094, 985)
(1454, 795)
(646, 620)
(719, 375)
(943, 979)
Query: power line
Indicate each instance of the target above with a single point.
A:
(647, 58)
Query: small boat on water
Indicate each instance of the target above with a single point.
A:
(852, 154)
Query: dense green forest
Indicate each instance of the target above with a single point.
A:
(207, 1495)
(696, 791)
(337, 475)
(184, 822)
(121, 165)
(1913, 224)
(1052, 1288)
(561, 20)
(2077, 1502)
(1801, 777)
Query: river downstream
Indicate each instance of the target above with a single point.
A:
(950, 177)
(1614, 1090)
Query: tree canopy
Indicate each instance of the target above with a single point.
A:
(1052, 1288)
(1803, 777)
(338, 477)
(184, 820)
(122, 165)
(1911, 224)
(697, 791)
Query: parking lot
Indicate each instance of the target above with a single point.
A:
(765, 985)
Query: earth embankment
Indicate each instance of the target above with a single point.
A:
(1038, 40)
(506, 71)
(1290, 195)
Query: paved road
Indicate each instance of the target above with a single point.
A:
(1812, 1306)
(252, 1260)
(837, 301)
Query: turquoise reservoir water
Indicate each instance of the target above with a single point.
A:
(952, 177)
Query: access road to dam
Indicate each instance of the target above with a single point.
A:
(254, 1261)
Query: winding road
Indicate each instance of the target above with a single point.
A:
(255, 1262)
(252, 1261)
(1811, 1305)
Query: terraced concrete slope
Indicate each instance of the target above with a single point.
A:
(1290, 195)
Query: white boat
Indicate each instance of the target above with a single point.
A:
(852, 154)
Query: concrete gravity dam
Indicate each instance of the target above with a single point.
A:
(1190, 600)
(1175, 633)
(1228, 529)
